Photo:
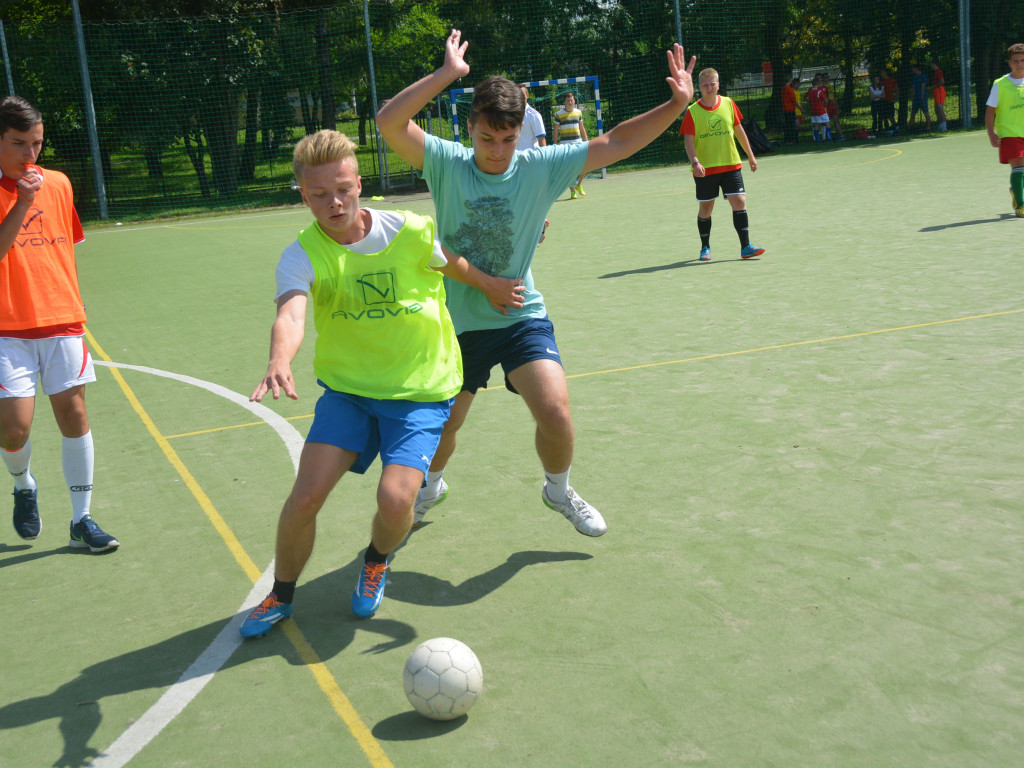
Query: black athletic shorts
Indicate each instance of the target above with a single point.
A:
(728, 183)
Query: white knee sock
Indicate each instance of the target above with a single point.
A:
(557, 485)
(77, 460)
(17, 463)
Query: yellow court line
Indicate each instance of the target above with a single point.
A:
(214, 516)
(792, 344)
(371, 748)
(235, 426)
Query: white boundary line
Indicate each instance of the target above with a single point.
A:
(202, 670)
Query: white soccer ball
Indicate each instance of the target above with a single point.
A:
(442, 678)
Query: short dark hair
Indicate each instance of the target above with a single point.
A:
(499, 101)
(19, 114)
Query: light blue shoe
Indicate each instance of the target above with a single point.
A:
(265, 616)
(705, 253)
(369, 589)
(750, 251)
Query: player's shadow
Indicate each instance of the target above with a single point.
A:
(971, 223)
(666, 267)
(424, 589)
(31, 553)
(325, 620)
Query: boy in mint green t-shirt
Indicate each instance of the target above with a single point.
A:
(491, 202)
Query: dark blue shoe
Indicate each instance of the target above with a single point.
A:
(265, 616)
(85, 533)
(26, 514)
(369, 589)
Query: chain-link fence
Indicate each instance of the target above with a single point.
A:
(196, 114)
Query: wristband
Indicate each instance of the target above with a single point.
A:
(26, 199)
(695, 161)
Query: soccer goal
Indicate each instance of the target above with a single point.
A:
(588, 98)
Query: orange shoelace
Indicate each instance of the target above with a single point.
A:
(372, 574)
(270, 601)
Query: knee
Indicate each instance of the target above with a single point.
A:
(304, 504)
(554, 418)
(13, 437)
(395, 504)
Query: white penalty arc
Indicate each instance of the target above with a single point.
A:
(202, 670)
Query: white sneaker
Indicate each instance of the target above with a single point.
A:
(584, 517)
(425, 503)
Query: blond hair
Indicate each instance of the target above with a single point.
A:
(326, 146)
(1014, 49)
(707, 73)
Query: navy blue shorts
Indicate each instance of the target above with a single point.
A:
(528, 340)
(401, 431)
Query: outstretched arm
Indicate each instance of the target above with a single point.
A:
(502, 292)
(633, 135)
(395, 119)
(285, 340)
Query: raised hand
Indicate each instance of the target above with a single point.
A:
(681, 79)
(455, 55)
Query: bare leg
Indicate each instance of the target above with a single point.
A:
(320, 467)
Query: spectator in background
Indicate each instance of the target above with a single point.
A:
(1004, 121)
(790, 100)
(817, 103)
(533, 133)
(919, 85)
(876, 92)
(939, 94)
(890, 92)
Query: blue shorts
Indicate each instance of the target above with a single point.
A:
(528, 340)
(401, 431)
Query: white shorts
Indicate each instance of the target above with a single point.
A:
(819, 119)
(60, 363)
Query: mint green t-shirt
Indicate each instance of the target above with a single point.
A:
(495, 221)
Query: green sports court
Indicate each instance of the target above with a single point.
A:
(809, 463)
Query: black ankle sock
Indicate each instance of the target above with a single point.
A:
(285, 591)
(373, 556)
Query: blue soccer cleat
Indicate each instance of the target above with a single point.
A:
(369, 589)
(750, 251)
(705, 253)
(265, 616)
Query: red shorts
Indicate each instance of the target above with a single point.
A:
(939, 94)
(1010, 148)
